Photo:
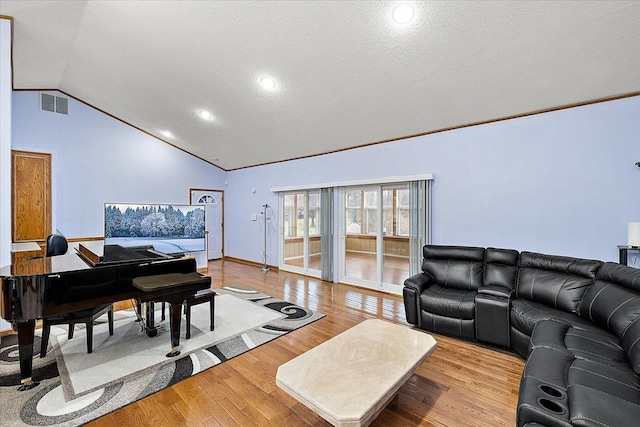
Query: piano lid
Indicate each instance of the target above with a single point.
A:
(39, 266)
(116, 254)
(96, 253)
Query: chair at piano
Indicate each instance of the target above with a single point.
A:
(57, 245)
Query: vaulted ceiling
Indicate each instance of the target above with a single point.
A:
(346, 74)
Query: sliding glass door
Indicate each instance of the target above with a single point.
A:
(375, 229)
(301, 240)
(381, 229)
(361, 236)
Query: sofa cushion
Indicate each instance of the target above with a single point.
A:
(500, 268)
(556, 281)
(449, 302)
(596, 345)
(613, 302)
(525, 314)
(590, 343)
(602, 395)
(453, 266)
(463, 328)
(617, 380)
(468, 253)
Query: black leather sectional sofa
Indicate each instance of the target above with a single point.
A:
(576, 321)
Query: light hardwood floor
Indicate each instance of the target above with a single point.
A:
(460, 384)
(363, 266)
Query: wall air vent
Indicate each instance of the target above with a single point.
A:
(54, 104)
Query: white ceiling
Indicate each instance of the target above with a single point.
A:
(346, 74)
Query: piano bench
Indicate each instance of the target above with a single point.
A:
(205, 295)
(84, 316)
(165, 281)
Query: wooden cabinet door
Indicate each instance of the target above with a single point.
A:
(31, 196)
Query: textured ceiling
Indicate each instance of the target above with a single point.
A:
(346, 74)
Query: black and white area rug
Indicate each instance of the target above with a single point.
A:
(76, 387)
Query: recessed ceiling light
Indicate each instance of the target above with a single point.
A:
(205, 115)
(267, 83)
(402, 13)
(167, 134)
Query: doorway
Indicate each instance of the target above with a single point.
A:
(375, 231)
(213, 201)
(301, 238)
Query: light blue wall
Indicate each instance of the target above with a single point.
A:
(97, 159)
(562, 182)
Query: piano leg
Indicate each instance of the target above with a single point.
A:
(175, 315)
(151, 329)
(25, 350)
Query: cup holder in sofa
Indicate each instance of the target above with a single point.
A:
(551, 391)
(552, 406)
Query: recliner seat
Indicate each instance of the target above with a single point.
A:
(549, 287)
(443, 296)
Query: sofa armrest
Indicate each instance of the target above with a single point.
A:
(419, 282)
(496, 291)
(413, 287)
(492, 315)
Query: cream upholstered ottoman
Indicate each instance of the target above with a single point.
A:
(349, 379)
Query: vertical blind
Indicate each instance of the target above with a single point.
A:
(326, 233)
(418, 223)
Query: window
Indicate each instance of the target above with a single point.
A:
(371, 212)
(314, 214)
(388, 219)
(294, 212)
(290, 215)
(301, 244)
(362, 217)
(300, 211)
(402, 212)
(354, 211)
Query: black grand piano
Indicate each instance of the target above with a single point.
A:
(88, 276)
